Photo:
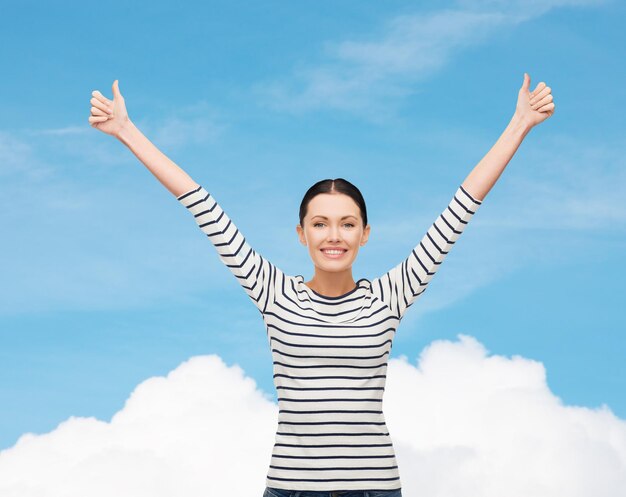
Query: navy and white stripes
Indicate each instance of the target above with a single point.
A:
(251, 269)
(403, 284)
(330, 353)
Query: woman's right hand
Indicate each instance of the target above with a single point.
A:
(109, 116)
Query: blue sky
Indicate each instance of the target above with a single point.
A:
(107, 281)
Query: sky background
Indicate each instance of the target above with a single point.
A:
(107, 283)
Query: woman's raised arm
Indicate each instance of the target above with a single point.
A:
(532, 108)
(111, 117)
(253, 272)
(403, 284)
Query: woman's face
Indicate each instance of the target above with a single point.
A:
(333, 220)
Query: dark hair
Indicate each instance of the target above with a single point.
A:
(337, 185)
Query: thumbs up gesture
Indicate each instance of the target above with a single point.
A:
(109, 116)
(536, 106)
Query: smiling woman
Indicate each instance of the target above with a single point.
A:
(330, 351)
(333, 225)
(331, 337)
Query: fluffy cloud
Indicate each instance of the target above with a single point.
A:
(192, 433)
(464, 423)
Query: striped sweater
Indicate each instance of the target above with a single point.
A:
(330, 354)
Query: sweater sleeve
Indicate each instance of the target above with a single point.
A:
(402, 285)
(253, 271)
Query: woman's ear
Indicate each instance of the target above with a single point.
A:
(301, 236)
(366, 235)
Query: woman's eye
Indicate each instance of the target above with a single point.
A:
(322, 224)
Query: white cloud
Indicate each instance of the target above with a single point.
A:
(470, 424)
(197, 123)
(82, 213)
(525, 8)
(191, 433)
(464, 423)
(18, 159)
(193, 124)
(369, 77)
(366, 77)
(67, 130)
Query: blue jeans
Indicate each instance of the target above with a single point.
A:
(278, 492)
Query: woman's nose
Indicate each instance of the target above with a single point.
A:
(333, 234)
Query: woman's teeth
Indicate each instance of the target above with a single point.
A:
(334, 254)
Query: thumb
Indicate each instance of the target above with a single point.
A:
(116, 89)
(526, 83)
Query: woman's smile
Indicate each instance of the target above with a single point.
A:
(333, 253)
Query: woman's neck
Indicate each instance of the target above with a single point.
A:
(332, 284)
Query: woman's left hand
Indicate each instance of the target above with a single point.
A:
(536, 106)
